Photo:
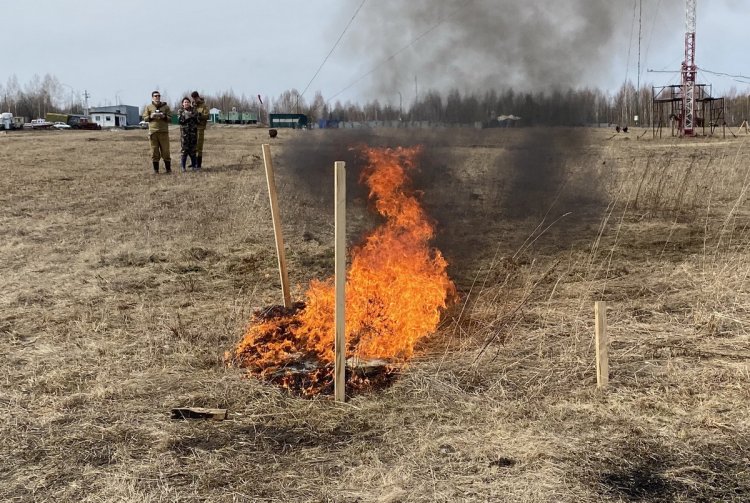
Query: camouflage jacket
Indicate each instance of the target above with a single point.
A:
(201, 109)
(161, 124)
(188, 118)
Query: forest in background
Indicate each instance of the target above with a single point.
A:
(571, 107)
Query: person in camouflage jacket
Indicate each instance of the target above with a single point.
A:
(199, 104)
(188, 118)
(158, 115)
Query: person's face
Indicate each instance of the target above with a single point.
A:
(155, 97)
(186, 103)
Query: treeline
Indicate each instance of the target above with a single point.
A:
(38, 97)
(572, 107)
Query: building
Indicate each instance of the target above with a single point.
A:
(294, 121)
(237, 117)
(115, 116)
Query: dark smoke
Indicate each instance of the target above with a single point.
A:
(485, 189)
(527, 45)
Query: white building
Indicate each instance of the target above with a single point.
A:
(112, 116)
(213, 115)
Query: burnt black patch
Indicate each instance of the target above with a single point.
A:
(649, 470)
(638, 481)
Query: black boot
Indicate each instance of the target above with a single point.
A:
(156, 166)
(196, 162)
(183, 159)
(199, 161)
(168, 166)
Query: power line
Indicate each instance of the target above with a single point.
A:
(655, 16)
(721, 74)
(630, 42)
(334, 47)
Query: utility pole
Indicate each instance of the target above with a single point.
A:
(638, 77)
(86, 97)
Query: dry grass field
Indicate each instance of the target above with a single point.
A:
(122, 291)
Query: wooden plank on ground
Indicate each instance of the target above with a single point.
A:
(199, 413)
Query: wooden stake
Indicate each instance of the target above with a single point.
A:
(277, 225)
(602, 355)
(339, 382)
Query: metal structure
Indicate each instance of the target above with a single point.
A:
(668, 105)
(689, 105)
(689, 71)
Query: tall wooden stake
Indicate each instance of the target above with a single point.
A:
(602, 355)
(339, 382)
(277, 225)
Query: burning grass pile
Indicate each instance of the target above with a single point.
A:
(396, 289)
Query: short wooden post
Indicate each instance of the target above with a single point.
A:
(602, 355)
(339, 382)
(277, 225)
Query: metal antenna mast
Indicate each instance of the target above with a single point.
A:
(86, 96)
(689, 71)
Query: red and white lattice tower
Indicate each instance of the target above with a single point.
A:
(689, 71)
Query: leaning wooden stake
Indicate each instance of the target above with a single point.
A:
(277, 225)
(339, 381)
(602, 356)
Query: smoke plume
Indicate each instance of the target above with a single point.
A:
(486, 189)
(474, 45)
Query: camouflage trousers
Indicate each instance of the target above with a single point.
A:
(199, 145)
(188, 139)
(159, 145)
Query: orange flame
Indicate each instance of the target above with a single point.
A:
(396, 289)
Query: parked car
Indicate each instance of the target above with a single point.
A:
(38, 124)
(61, 125)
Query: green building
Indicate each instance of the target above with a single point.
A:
(294, 121)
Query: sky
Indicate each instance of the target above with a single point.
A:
(118, 51)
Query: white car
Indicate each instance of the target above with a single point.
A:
(61, 125)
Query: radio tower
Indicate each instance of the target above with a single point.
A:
(689, 71)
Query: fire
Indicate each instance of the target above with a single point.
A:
(397, 287)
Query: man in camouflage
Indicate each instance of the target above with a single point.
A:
(199, 104)
(158, 115)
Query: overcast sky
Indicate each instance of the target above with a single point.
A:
(120, 50)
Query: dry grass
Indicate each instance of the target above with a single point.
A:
(121, 290)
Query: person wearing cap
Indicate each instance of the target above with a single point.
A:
(158, 115)
(201, 110)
